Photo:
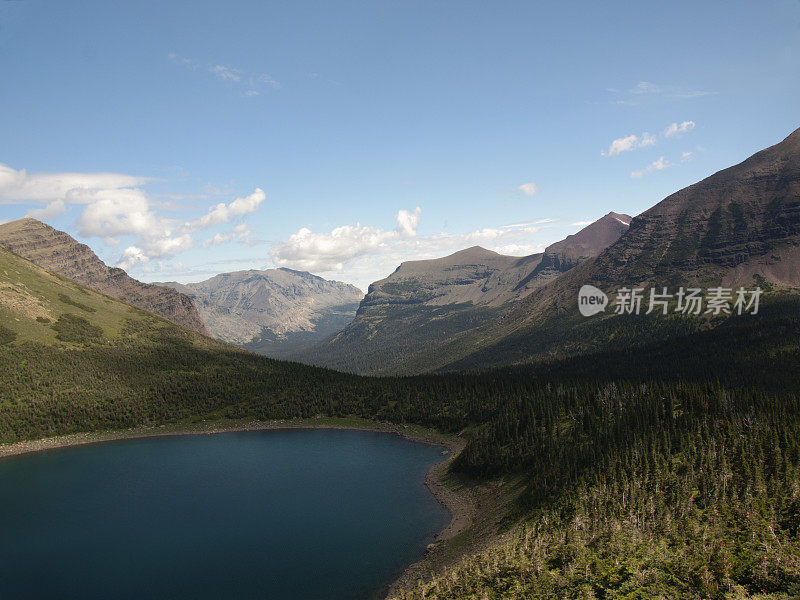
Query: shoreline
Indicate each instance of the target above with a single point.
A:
(460, 506)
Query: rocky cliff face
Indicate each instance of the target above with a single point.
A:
(745, 217)
(58, 252)
(406, 320)
(275, 311)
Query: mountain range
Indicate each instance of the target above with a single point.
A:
(476, 308)
(407, 321)
(738, 227)
(273, 312)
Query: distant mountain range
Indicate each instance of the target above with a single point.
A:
(406, 321)
(58, 252)
(476, 308)
(273, 312)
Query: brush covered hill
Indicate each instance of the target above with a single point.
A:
(58, 252)
(273, 312)
(406, 321)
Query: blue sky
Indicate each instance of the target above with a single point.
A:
(182, 139)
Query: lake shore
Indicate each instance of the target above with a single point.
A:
(458, 500)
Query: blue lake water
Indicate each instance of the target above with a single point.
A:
(279, 515)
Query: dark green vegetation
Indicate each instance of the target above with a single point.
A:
(76, 329)
(401, 339)
(70, 302)
(668, 470)
(672, 472)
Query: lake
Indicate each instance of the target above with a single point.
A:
(280, 515)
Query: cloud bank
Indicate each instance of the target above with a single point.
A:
(113, 206)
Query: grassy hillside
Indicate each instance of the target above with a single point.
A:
(670, 470)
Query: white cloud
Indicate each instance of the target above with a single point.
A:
(634, 142)
(114, 205)
(131, 257)
(629, 143)
(51, 211)
(369, 253)
(239, 233)
(309, 251)
(115, 212)
(164, 245)
(222, 213)
(128, 212)
(582, 223)
(407, 222)
(658, 165)
(519, 225)
(233, 75)
(678, 129)
(19, 186)
(529, 189)
(182, 61)
(226, 73)
(266, 79)
(217, 239)
(645, 89)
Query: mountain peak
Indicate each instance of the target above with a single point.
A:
(272, 311)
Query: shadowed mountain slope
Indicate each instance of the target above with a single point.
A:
(738, 227)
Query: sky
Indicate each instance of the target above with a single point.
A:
(184, 139)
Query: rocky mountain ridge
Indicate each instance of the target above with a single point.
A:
(60, 253)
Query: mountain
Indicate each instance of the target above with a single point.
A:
(273, 312)
(738, 227)
(587, 243)
(58, 252)
(405, 320)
